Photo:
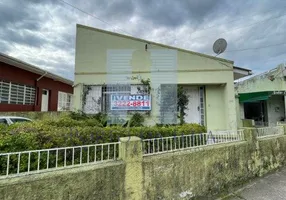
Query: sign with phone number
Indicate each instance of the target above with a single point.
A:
(130, 102)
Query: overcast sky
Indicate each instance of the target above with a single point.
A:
(42, 32)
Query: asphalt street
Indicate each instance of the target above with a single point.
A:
(269, 187)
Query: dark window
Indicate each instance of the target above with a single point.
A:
(4, 92)
(3, 121)
(19, 120)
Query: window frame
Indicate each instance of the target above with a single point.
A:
(18, 120)
(64, 101)
(15, 93)
(5, 122)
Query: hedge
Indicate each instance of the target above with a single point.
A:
(68, 132)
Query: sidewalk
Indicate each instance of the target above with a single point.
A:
(270, 187)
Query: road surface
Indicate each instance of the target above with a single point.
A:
(270, 187)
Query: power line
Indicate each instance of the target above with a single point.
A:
(103, 21)
(263, 21)
(248, 25)
(236, 50)
(252, 48)
(209, 27)
(237, 28)
(259, 22)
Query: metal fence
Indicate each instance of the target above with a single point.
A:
(269, 131)
(174, 143)
(264, 124)
(36, 161)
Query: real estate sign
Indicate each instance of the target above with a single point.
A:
(130, 102)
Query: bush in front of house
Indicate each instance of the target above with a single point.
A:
(70, 132)
(66, 132)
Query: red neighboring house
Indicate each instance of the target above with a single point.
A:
(24, 87)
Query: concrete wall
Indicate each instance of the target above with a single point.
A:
(275, 109)
(192, 68)
(262, 83)
(210, 171)
(104, 181)
(202, 172)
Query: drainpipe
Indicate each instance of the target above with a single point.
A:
(36, 90)
(42, 76)
(74, 85)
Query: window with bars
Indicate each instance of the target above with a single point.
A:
(12, 93)
(97, 98)
(64, 101)
(109, 90)
(122, 89)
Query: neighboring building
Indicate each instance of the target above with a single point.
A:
(24, 87)
(262, 97)
(108, 64)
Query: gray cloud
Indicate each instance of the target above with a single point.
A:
(21, 38)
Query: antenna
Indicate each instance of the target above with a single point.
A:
(219, 46)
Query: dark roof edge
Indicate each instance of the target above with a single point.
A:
(249, 70)
(34, 69)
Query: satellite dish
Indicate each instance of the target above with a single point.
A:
(219, 46)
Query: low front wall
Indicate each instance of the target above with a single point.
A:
(212, 170)
(105, 181)
(201, 172)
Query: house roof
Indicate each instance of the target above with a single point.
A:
(31, 68)
(238, 71)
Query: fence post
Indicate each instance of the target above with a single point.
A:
(284, 128)
(131, 153)
(250, 134)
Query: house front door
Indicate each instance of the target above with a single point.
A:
(193, 108)
(45, 100)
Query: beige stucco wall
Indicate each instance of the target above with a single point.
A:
(192, 69)
(275, 109)
(215, 103)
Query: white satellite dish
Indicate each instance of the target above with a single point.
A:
(219, 46)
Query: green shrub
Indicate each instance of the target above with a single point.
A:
(136, 120)
(80, 116)
(65, 132)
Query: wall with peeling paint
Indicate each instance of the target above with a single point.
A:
(276, 105)
(275, 109)
(212, 170)
(105, 181)
(261, 82)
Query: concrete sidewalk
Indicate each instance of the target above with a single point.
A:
(270, 187)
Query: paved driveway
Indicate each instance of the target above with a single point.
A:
(270, 187)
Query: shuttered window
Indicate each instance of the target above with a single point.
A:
(12, 93)
(64, 101)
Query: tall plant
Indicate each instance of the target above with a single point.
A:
(182, 102)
